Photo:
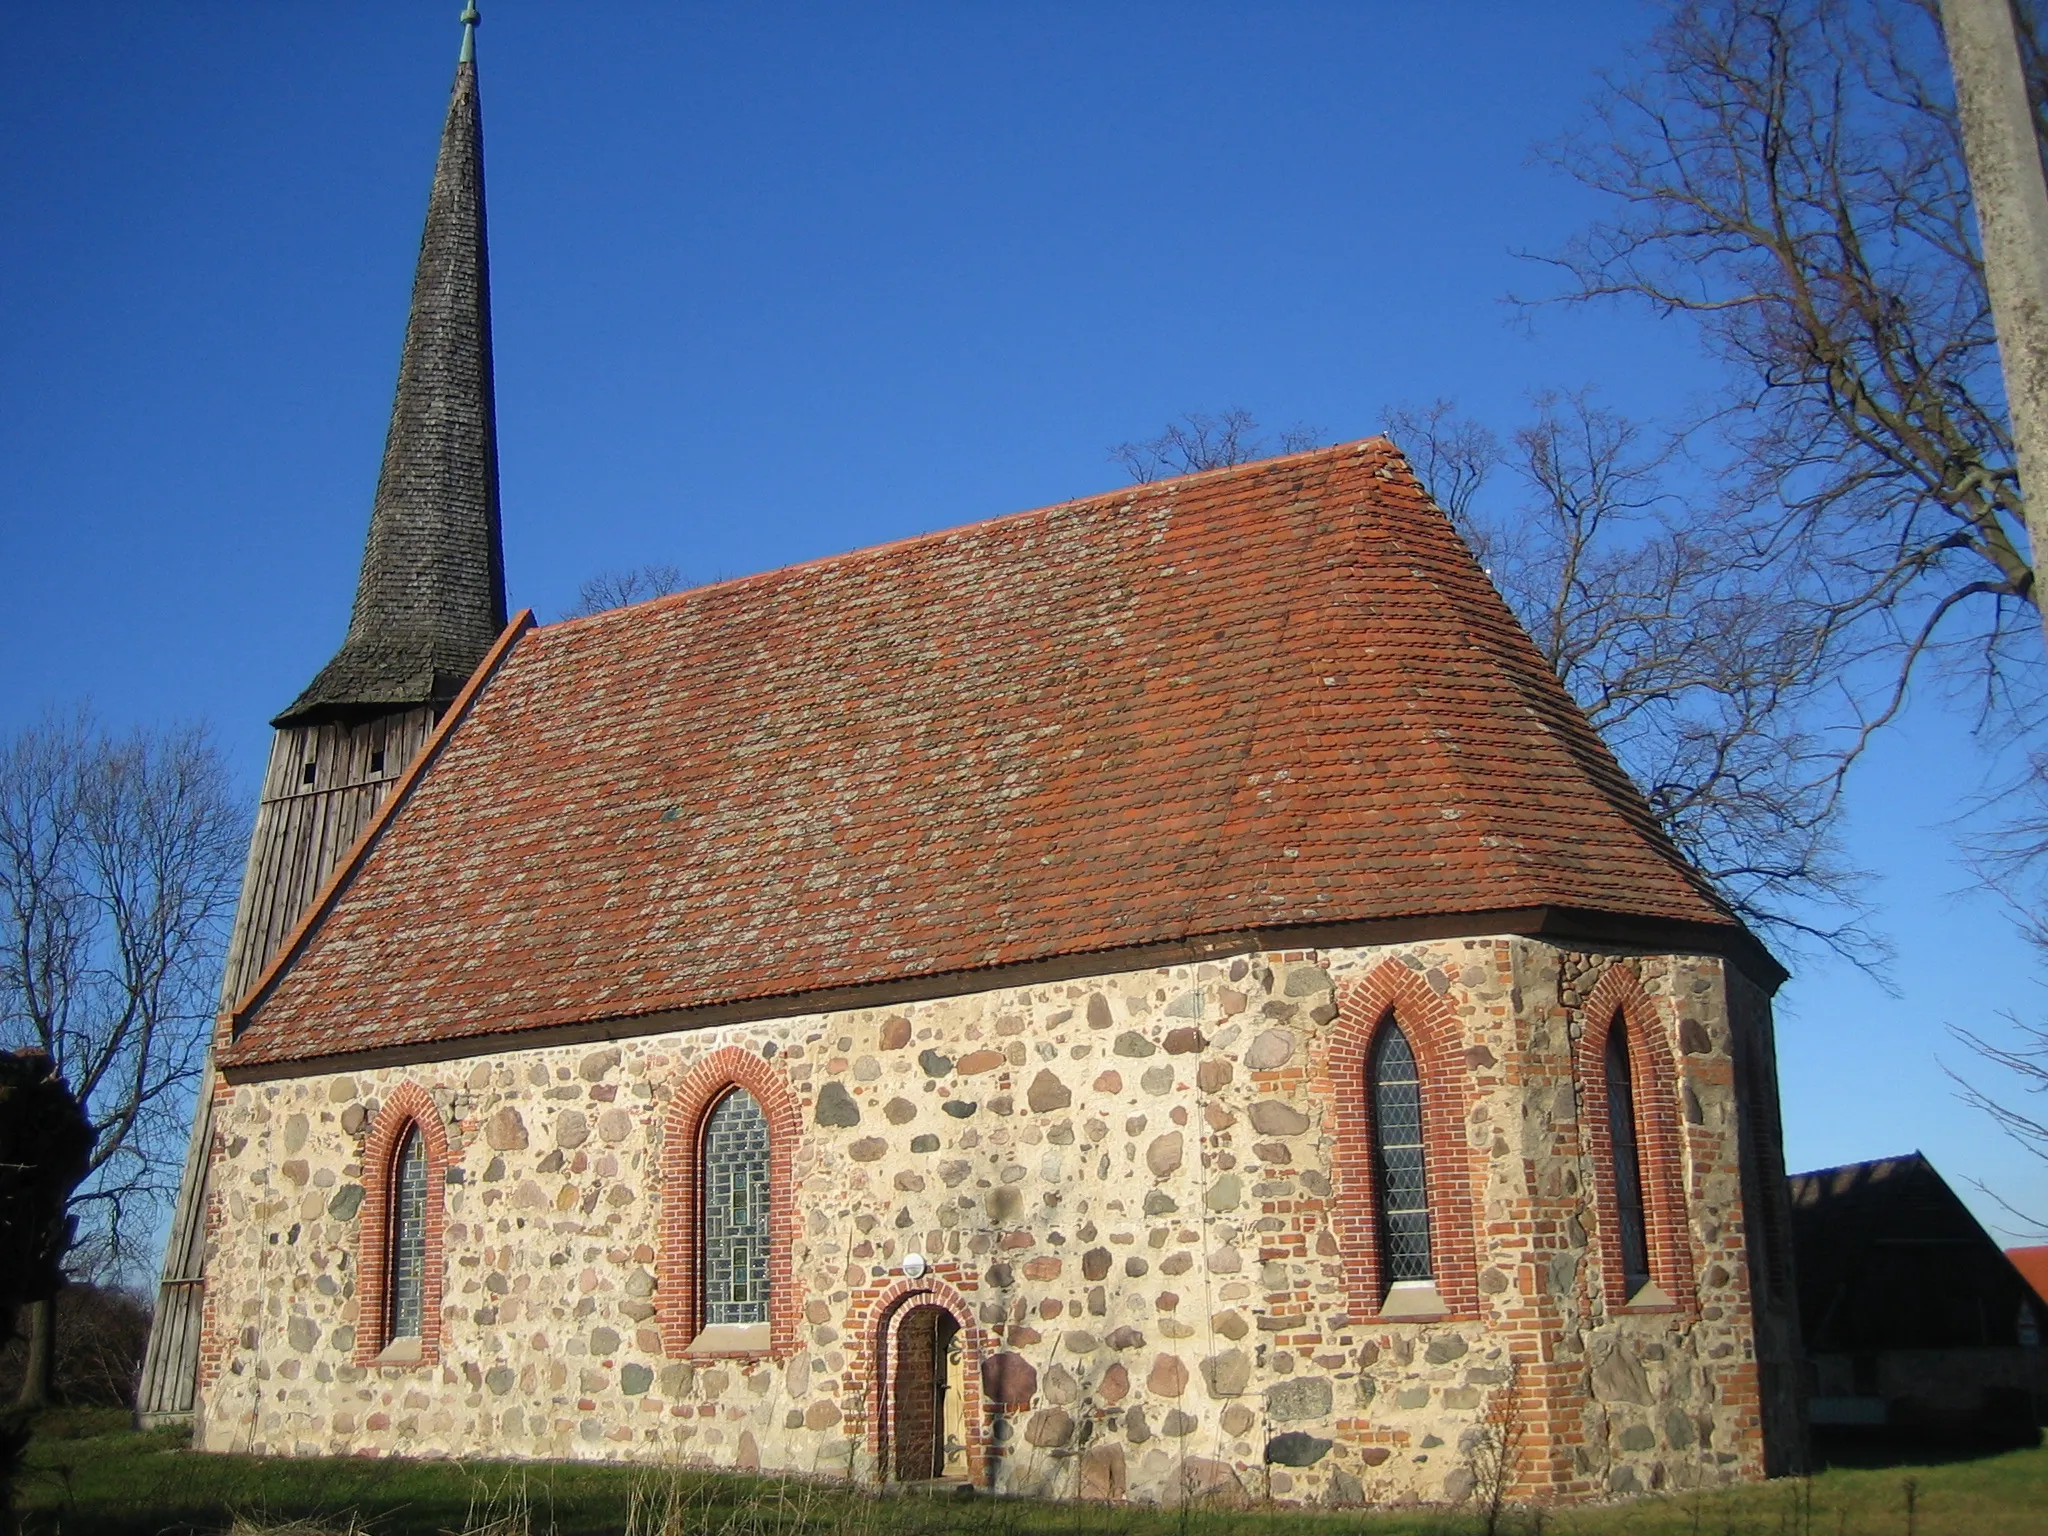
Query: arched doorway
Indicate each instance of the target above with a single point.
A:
(927, 1422)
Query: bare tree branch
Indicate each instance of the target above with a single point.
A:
(119, 862)
(1199, 441)
(2025, 1065)
(1787, 174)
(620, 589)
(1716, 691)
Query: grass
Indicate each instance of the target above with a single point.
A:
(90, 1475)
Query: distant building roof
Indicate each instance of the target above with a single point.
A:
(1889, 1258)
(1277, 698)
(2032, 1263)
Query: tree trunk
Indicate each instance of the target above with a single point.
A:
(2007, 185)
(39, 1377)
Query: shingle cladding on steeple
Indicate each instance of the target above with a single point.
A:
(431, 596)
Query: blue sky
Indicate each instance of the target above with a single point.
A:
(776, 281)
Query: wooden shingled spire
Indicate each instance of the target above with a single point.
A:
(431, 597)
(430, 603)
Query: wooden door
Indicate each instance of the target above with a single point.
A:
(924, 1341)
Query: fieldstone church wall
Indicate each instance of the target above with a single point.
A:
(1141, 1194)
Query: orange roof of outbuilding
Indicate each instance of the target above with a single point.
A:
(1275, 696)
(2032, 1263)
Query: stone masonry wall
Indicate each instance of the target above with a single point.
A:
(1141, 1195)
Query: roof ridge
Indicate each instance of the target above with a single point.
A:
(1137, 489)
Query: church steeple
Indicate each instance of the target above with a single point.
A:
(431, 596)
(429, 603)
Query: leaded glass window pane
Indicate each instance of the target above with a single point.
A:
(735, 1239)
(1628, 1168)
(1397, 1149)
(409, 1237)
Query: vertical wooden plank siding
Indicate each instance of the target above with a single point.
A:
(304, 825)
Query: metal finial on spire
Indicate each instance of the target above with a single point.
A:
(469, 20)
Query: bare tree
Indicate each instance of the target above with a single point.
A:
(1788, 175)
(1200, 441)
(119, 860)
(1715, 689)
(620, 589)
(2024, 1065)
(1454, 456)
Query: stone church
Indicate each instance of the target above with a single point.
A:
(1162, 996)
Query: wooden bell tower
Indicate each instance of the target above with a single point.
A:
(429, 603)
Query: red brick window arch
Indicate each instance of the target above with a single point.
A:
(1402, 1197)
(399, 1266)
(1628, 1089)
(726, 1284)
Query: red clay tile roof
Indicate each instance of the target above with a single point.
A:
(1271, 695)
(2032, 1263)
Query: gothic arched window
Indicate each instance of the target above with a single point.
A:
(399, 1260)
(1398, 1159)
(733, 1238)
(1631, 1216)
(407, 1303)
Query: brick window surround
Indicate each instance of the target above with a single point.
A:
(408, 1109)
(1393, 991)
(679, 1291)
(1618, 997)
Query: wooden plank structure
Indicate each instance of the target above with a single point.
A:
(429, 603)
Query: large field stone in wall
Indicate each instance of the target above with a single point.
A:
(1619, 1379)
(1049, 1427)
(1047, 1093)
(1168, 1377)
(1203, 1477)
(1296, 1448)
(1102, 1471)
(836, 1107)
(1008, 1379)
(1303, 1397)
(505, 1131)
(1164, 1155)
(1274, 1048)
(1277, 1117)
(1227, 1374)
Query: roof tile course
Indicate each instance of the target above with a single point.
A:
(1271, 695)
